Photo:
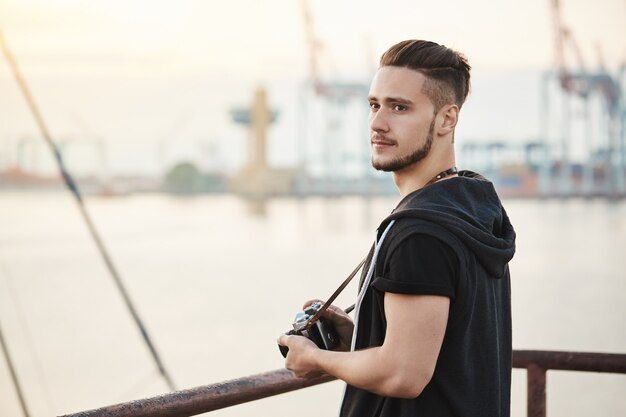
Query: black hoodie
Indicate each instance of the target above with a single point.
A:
(473, 372)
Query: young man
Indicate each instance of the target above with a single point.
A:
(432, 331)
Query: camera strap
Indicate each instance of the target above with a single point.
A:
(330, 300)
(343, 285)
(366, 282)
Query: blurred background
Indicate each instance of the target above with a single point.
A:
(222, 152)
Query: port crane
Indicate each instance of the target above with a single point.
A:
(603, 171)
(327, 110)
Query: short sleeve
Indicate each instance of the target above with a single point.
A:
(421, 264)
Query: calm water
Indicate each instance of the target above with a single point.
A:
(216, 282)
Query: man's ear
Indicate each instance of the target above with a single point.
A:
(448, 117)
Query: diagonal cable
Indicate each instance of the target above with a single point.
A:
(14, 378)
(12, 294)
(71, 185)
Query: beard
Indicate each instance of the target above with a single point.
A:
(403, 161)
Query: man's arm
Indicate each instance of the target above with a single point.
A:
(401, 367)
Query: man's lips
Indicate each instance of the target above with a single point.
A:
(382, 142)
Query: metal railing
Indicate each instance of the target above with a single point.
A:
(238, 391)
(537, 363)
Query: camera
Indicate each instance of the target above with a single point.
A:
(322, 332)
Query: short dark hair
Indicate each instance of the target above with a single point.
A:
(447, 72)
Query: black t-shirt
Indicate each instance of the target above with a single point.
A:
(422, 264)
(472, 374)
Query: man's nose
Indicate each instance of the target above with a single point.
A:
(378, 121)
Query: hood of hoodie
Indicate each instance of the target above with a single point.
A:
(468, 207)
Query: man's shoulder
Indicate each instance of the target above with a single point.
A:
(418, 231)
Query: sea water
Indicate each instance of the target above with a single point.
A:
(216, 279)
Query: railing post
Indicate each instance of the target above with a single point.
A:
(536, 391)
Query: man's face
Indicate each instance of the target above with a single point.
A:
(401, 119)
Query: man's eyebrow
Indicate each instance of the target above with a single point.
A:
(392, 100)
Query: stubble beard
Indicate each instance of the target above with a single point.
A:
(403, 161)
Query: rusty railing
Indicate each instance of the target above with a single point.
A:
(226, 394)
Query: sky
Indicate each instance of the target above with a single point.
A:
(134, 72)
(266, 39)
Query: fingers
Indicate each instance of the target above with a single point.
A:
(297, 359)
(336, 314)
(308, 303)
(283, 340)
(331, 307)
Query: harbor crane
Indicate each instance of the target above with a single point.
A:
(328, 112)
(603, 171)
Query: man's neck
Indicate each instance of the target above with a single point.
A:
(417, 176)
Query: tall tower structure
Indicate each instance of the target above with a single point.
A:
(256, 178)
(257, 143)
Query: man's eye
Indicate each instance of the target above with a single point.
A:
(399, 107)
(374, 106)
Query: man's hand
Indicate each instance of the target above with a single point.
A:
(343, 323)
(300, 357)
